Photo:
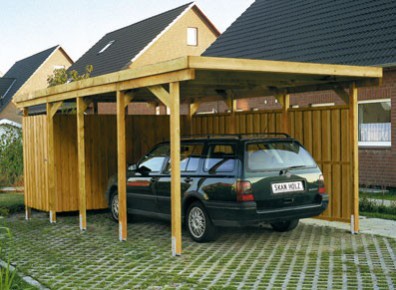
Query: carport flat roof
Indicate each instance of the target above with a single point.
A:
(209, 78)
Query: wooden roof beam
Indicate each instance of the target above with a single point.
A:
(161, 94)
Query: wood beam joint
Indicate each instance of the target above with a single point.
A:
(161, 94)
(340, 91)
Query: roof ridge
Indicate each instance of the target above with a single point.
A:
(43, 51)
(149, 18)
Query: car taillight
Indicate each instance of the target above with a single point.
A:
(244, 191)
(322, 188)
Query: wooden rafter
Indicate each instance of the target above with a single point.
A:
(161, 94)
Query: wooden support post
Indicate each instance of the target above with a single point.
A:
(193, 110)
(232, 105)
(28, 210)
(353, 127)
(284, 100)
(122, 103)
(51, 163)
(175, 174)
(82, 192)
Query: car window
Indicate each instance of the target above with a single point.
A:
(190, 154)
(220, 158)
(276, 155)
(156, 158)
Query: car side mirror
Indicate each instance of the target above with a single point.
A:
(143, 170)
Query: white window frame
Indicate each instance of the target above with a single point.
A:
(192, 36)
(373, 143)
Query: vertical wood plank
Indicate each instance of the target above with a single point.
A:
(285, 113)
(28, 211)
(307, 125)
(316, 136)
(346, 197)
(175, 174)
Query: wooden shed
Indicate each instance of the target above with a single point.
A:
(69, 157)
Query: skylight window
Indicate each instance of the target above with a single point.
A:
(106, 46)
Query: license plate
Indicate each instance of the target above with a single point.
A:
(287, 187)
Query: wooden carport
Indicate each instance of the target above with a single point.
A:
(193, 80)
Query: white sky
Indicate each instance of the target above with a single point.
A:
(30, 26)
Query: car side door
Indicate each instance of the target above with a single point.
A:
(141, 185)
(190, 160)
(220, 171)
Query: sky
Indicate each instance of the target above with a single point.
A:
(30, 26)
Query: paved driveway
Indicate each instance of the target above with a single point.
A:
(311, 256)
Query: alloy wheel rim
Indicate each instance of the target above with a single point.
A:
(197, 222)
(115, 206)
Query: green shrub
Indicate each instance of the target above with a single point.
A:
(11, 156)
(371, 206)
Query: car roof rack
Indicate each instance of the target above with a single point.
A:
(236, 136)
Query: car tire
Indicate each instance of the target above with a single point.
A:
(285, 226)
(114, 206)
(199, 224)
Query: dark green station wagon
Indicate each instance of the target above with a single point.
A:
(228, 180)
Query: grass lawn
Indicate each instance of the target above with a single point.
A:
(378, 215)
(18, 284)
(11, 203)
(391, 195)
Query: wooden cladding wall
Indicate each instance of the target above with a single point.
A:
(100, 150)
(35, 156)
(323, 131)
(325, 134)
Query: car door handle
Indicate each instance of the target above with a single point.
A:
(188, 179)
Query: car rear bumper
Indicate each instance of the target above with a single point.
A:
(246, 214)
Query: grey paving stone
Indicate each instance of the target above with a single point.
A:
(313, 256)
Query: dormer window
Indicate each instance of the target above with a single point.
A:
(106, 46)
(192, 36)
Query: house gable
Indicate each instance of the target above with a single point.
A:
(173, 42)
(30, 74)
(116, 49)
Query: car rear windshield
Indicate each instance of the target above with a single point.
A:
(266, 156)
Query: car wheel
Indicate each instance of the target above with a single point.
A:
(198, 223)
(285, 226)
(114, 206)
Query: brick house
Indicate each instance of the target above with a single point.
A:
(336, 32)
(182, 31)
(29, 74)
